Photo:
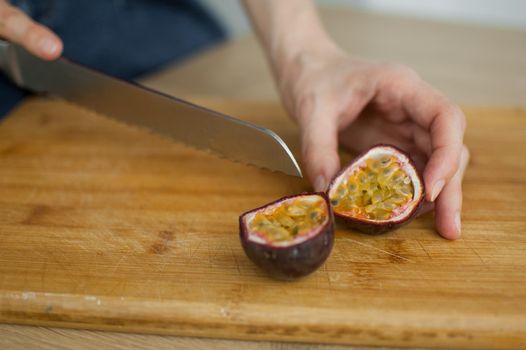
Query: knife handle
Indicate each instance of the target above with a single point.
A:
(4, 48)
(8, 62)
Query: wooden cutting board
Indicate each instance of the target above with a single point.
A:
(103, 226)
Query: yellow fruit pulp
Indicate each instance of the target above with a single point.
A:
(290, 219)
(376, 190)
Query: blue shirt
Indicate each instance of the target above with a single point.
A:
(125, 38)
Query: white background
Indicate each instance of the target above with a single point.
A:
(503, 13)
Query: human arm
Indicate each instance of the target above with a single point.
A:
(340, 99)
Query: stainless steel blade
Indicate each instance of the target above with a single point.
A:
(132, 103)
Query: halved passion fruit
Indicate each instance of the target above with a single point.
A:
(291, 237)
(379, 191)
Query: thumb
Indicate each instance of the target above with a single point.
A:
(16, 26)
(319, 140)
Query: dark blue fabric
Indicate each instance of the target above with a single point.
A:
(125, 38)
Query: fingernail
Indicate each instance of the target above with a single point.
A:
(48, 45)
(436, 189)
(320, 183)
(457, 222)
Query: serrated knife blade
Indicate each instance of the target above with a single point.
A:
(137, 105)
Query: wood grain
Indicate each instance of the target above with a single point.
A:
(14, 337)
(103, 226)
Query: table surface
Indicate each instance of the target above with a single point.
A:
(472, 65)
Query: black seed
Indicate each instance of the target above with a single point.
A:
(295, 231)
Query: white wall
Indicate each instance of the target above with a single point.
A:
(506, 13)
(231, 13)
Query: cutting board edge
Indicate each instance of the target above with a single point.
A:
(81, 312)
(500, 342)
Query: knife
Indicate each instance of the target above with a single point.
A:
(134, 104)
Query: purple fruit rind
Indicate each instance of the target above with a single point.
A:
(294, 261)
(379, 227)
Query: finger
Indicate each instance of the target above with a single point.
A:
(403, 130)
(422, 139)
(445, 124)
(320, 146)
(17, 27)
(449, 204)
(447, 133)
(419, 159)
(399, 130)
(425, 208)
(369, 130)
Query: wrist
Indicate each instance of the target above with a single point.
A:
(291, 33)
(296, 50)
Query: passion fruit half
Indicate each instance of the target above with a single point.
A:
(291, 237)
(380, 190)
